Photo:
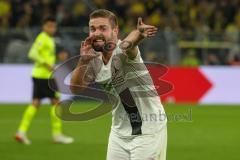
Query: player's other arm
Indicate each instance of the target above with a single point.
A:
(80, 78)
(137, 35)
(78, 81)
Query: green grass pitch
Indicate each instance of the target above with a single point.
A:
(205, 133)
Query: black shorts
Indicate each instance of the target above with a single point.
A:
(41, 88)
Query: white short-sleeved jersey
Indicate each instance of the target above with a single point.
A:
(137, 107)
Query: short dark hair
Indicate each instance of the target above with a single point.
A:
(103, 13)
(48, 19)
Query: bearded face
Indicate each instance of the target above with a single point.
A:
(102, 34)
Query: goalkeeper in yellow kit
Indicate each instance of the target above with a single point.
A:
(42, 53)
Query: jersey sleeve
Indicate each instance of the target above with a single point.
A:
(137, 59)
(34, 53)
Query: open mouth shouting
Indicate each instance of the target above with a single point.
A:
(98, 43)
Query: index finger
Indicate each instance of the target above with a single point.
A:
(82, 43)
(88, 40)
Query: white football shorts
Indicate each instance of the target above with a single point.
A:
(141, 147)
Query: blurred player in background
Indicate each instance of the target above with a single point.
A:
(122, 73)
(43, 54)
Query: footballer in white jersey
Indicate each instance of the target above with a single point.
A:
(139, 124)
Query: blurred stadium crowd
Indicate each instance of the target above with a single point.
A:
(200, 31)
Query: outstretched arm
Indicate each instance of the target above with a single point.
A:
(137, 35)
